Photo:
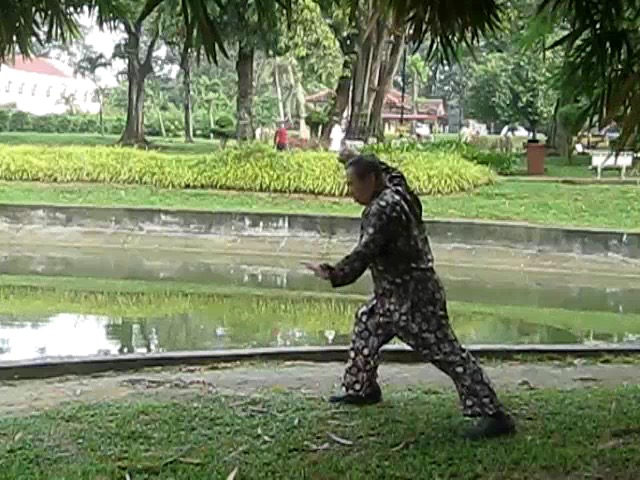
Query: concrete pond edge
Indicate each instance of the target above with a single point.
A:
(171, 222)
(82, 366)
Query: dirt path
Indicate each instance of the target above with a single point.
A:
(25, 397)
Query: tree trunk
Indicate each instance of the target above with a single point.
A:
(134, 129)
(163, 131)
(552, 140)
(137, 72)
(415, 89)
(185, 65)
(358, 94)
(389, 68)
(300, 97)
(340, 101)
(101, 113)
(244, 106)
(276, 79)
(377, 60)
(212, 121)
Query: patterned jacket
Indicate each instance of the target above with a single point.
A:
(392, 244)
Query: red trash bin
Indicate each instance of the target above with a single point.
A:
(535, 158)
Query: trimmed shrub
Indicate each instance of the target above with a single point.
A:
(255, 167)
(502, 163)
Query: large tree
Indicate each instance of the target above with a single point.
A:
(89, 66)
(372, 36)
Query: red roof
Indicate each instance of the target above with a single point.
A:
(37, 65)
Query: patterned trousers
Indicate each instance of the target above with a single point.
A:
(423, 324)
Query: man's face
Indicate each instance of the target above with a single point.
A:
(361, 189)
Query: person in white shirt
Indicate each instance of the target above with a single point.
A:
(337, 135)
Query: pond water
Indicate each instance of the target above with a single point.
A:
(277, 306)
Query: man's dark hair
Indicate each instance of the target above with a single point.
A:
(365, 165)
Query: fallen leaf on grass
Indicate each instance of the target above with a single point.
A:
(189, 461)
(397, 448)
(341, 423)
(341, 441)
(233, 474)
(264, 437)
(237, 452)
(18, 436)
(317, 448)
(616, 442)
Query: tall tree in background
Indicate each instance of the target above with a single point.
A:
(142, 28)
(179, 36)
(372, 36)
(89, 66)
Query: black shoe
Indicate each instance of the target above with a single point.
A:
(498, 425)
(371, 398)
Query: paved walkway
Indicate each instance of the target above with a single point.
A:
(24, 397)
(573, 180)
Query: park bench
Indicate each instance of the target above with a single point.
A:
(605, 159)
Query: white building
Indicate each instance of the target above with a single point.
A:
(41, 86)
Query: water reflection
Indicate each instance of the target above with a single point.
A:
(464, 284)
(67, 334)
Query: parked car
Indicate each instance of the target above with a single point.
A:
(509, 131)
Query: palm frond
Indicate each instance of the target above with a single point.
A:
(603, 59)
(447, 24)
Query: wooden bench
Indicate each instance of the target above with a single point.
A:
(604, 159)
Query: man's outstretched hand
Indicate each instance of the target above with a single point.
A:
(319, 270)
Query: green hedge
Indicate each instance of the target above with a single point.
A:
(253, 168)
(15, 121)
(501, 162)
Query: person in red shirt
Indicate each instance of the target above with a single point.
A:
(280, 139)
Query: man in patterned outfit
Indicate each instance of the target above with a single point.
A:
(409, 299)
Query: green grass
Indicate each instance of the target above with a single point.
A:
(560, 167)
(546, 204)
(591, 433)
(167, 145)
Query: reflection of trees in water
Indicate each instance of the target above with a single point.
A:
(22, 321)
(497, 331)
(132, 335)
(243, 322)
(4, 346)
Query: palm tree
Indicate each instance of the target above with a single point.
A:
(603, 59)
(25, 22)
(88, 66)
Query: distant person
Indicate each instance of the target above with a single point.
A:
(337, 136)
(409, 300)
(281, 137)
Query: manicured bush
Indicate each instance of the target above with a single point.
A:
(502, 163)
(253, 168)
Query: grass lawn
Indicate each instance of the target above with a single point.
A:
(548, 204)
(560, 167)
(590, 433)
(167, 145)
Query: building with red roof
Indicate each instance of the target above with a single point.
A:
(42, 86)
(429, 111)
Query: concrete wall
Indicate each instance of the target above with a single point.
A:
(65, 222)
